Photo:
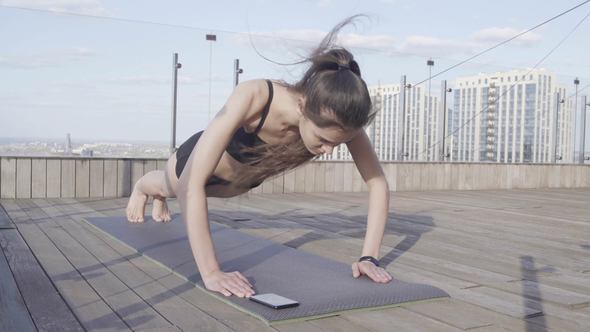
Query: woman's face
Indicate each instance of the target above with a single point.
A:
(323, 140)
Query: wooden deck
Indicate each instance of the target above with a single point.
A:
(514, 260)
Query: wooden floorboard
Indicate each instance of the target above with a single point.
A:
(5, 221)
(209, 312)
(89, 308)
(514, 260)
(47, 308)
(14, 315)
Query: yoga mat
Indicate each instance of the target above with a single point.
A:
(322, 287)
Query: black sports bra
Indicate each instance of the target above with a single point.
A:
(240, 138)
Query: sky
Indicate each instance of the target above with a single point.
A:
(102, 69)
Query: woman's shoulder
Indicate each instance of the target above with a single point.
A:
(256, 85)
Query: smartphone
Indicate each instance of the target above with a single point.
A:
(274, 301)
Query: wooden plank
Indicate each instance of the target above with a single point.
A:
(146, 296)
(300, 179)
(337, 323)
(357, 179)
(278, 184)
(68, 178)
(309, 177)
(329, 178)
(267, 186)
(110, 178)
(161, 164)
(8, 175)
(82, 177)
(5, 221)
(39, 178)
(464, 316)
(502, 302)
(124, 184)
(53, 178)
(397, 319)
(338, 177)
(347, 181)
(23, 178)
(540, 292)
(97, 178)
(47, 309)
(319, 182)
(137, 171)
(126, 305)
(289, 185)
(88, 307)
(211, 313)
(150, 165)
(14, 315)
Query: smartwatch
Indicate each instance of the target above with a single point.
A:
(371, 259)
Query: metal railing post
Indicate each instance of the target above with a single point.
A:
(175, 67)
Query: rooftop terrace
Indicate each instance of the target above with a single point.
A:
(515, 260)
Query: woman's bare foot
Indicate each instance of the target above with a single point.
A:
(136, 206)
(160, 211)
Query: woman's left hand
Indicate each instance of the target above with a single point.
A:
(376, 273)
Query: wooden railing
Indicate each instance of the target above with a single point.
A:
(46, 177)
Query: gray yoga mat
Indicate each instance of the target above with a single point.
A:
(322, 287)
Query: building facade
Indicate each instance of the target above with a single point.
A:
(511, 117)
(418, 122)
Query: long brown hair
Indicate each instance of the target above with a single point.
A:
(332, 82)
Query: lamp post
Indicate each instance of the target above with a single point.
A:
(553, 137)
(237, 71)
(212, 38)
(442, 153)
(576, 83)
(175, 66)
(427, 124)
(583, 130)
(401, 114)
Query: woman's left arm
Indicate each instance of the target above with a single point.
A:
(370, 169)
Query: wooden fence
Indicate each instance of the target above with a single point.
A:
(30, 177)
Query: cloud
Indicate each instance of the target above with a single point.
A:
(298, 42)
(87, 7)
(49, 59)
(157, 80)
(433, 46)
(497, 34)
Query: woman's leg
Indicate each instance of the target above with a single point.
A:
(160, 185)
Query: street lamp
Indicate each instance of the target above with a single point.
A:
(237, 71)
(212, 38)
(427, 128)
(442, 122)
(576, 83)
(583, 130)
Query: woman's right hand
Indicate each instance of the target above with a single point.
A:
(228, 283)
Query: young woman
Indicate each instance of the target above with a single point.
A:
(265, 128)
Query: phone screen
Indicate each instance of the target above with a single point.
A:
(274, 301)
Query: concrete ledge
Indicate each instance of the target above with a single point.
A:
(39, 177)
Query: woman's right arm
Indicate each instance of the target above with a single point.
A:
(242, 106)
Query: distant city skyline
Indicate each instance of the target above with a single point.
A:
(105, 73)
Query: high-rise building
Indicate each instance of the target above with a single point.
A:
(418, 123)
(510, 117)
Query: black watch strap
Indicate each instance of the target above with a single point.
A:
(371, 259)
